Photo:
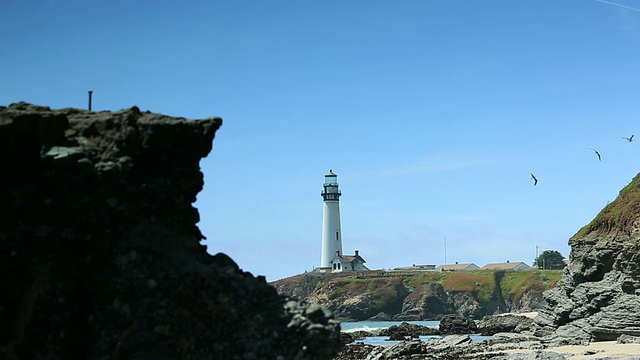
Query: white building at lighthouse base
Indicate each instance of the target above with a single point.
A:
(342, 263)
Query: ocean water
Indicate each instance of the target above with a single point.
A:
(375, 327)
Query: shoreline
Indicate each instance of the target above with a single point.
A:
(595, 350)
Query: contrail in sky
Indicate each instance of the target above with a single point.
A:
(619, 5)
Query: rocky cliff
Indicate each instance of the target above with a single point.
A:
(597, 297)
(422, 295)
(100, 255)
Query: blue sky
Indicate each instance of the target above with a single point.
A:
(432, 113)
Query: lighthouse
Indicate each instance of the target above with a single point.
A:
(331, 233)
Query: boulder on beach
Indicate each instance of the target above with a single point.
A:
(456, 324)
(493, 324)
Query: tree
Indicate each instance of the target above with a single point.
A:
(550, 260)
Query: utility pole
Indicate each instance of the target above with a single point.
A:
(90, 93)
(445, 252)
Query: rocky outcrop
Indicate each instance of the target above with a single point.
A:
(449, 347)
(628, 339)
(359, 299)
(507, 323)
(597, 297)
(426, 295)
(502, 346)
(349, 337)
(101, 256)
(406, 330)
(428, 302)
(456, 324)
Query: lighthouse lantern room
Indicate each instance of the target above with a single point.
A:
(331, 233)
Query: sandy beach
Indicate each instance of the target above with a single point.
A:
(596, 350)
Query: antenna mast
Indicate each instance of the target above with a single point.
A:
(445, 252)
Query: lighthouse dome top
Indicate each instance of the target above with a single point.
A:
(331, 174)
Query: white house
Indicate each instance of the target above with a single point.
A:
(347, 262)
(458, 267)
(507, 266)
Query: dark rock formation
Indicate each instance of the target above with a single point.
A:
(355, 352)
(100, 253)
(456, 324)
(349, 337)
(346, 338)
(397, 337)
(493, 324)
(409, 330)
(597, 297)
(449, 347)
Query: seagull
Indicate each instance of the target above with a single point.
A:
(535, 180)
(597, 153)
(629, 139)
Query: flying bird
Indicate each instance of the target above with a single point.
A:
(597, 153)
(535, 180)
(629, 139)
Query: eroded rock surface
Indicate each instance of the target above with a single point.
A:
(406, 330)
(456, 324)
(507, 323)
(101, 256)
(597, 297)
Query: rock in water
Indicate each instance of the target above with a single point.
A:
(408, 330)
(101, 256)
(456, 324)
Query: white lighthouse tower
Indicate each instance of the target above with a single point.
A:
(331, 233)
